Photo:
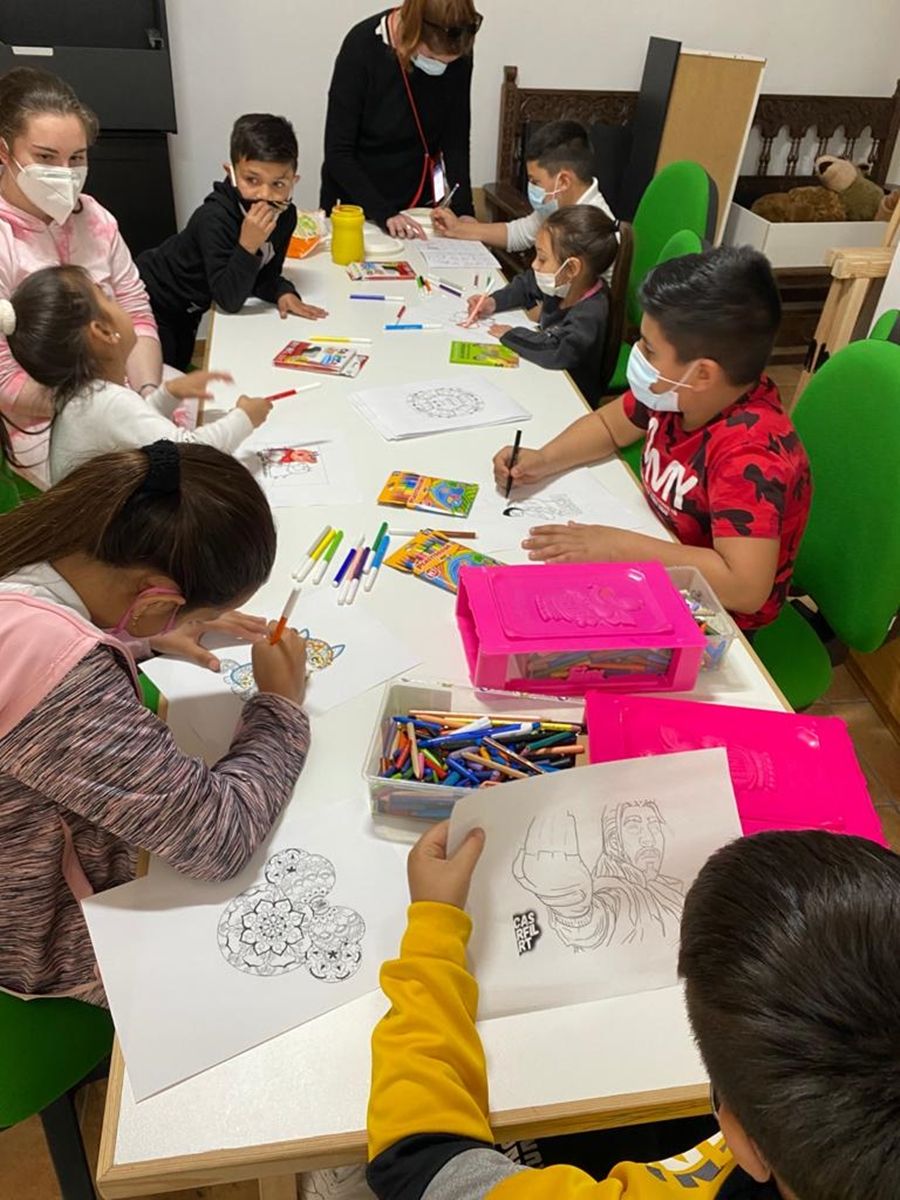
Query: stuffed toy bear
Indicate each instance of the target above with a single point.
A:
(800, 204)
(860, 196)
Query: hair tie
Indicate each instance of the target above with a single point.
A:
(164, 469)
(7, 318)
(617, 225)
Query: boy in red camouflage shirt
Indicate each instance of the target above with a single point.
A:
(722, 466)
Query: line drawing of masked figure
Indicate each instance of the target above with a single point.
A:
(626, 898)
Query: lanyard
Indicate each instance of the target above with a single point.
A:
(428, 160)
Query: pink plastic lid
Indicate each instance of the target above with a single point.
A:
(789, 771)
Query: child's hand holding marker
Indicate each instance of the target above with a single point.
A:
(280, 669)
(528, 467)
(257, 408)
(482, 305)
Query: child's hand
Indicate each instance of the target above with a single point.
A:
(195, 384)
(404, 227)
(573, 543)
(484, 304)
(289, 303)
(444, 222)
(184, 641)
(257, 408)
(434, 876)
(498, 331)
(280, 670)
(531, 467)
(257, 226)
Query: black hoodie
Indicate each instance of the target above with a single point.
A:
(205, 263)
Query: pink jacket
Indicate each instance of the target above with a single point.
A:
(90, 238)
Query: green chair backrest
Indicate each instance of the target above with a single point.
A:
(685, 241)
(887, 327)
(849, 560)
(46, 1048)
(681, 197)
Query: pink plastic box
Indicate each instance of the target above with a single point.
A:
(789, 771)
(567, 628)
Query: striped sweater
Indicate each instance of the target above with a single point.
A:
(87, 776)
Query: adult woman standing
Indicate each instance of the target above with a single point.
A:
(399, 111)
(45, 132)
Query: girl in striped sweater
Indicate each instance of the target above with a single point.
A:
(129, 546)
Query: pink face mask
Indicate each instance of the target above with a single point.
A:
(121, 627)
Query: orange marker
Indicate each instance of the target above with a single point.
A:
(279, 629)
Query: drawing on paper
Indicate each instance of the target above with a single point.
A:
(287, 923)
(750, 769)
(445, 403)
(320, 655)
(288, 462)
(553, 509)
(624, 899)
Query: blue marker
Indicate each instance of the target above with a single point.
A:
(380, 551)
(416, 326)
(338, 579)
(373, 296)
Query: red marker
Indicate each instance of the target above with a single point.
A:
(282, 395)
(400, 313)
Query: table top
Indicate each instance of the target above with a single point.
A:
(298, 1102)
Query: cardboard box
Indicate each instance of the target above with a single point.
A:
(798, 243)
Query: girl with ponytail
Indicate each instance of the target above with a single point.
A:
(129, 546)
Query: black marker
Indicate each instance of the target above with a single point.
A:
(512, 463)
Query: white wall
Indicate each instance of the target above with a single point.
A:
(234, 56)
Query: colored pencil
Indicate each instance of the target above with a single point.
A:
(466, 534)
(445, 203)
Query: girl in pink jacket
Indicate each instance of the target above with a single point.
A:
(127, 547)
(45, 220)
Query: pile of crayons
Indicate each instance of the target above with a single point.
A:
(605, 664)
(473, 750)
(712, 624)
(360, 567)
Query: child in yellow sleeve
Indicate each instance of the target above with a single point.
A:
(790, 953)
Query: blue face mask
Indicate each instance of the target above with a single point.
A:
(537, 198)
(643, 375)
(431, 66)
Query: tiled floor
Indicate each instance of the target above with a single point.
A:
(25, 1169)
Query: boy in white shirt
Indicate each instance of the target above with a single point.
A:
(560, 166)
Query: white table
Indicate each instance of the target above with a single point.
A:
(298, 1102)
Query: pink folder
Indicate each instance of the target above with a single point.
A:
(789, 771)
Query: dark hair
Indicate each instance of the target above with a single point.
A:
(790, 950)
(54, 308)
(561, 145)
(588, 233)
(262, 137)
(213, 536)
(722, 304)
(433, 22)
(26, 92)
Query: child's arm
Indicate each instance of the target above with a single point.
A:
(145, 360)
(231, 270)
(563, 345)
(428, 1126)
(92, 749)
(271, 285)
(448, 224)
(143, 420)
(520, 292)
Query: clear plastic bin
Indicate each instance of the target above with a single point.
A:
(434, 801)
(718, 642)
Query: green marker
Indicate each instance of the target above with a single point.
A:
(378, 536)
(336, 539)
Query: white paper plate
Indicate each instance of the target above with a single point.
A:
(380, 244)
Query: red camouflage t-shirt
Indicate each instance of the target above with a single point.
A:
(743, 474)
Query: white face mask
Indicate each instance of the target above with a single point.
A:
(643, 375)
(546, 281)
(431, 66)
(54, 190)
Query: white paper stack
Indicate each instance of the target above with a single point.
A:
(447, 254)
(432, 406)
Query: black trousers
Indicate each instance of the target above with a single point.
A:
(177, 335)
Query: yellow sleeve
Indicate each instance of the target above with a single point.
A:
(428, 1069)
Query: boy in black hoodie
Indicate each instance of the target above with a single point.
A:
(233, 246)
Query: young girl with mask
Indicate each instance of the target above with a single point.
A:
(722, 466)
(46, 220)
(581, 317)
(76, 341)
(131, 544)
(398, 107)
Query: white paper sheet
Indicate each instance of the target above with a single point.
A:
(450, 311)
(576, 496)
(198, 972)
(301, 471)
(579, 891)
(429, 406)
(348, 652)
(447, 254)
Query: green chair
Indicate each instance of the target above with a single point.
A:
(681, 199)
(849, 560)
(685, 241)
(13, 488)
(48, 1048)
(887, 327)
